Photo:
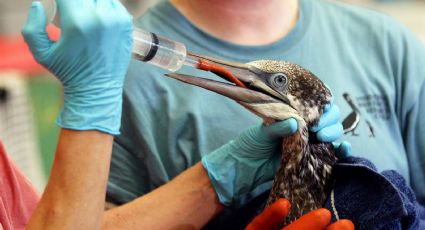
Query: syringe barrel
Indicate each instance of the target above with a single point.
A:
(157, 50)
(147, 47)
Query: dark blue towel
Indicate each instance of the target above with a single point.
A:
(370, 199)
(374, 200)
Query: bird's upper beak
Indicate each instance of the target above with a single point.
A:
(248, 86)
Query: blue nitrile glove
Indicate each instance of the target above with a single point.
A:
(90, 59)
(329, 129)
(253, 158)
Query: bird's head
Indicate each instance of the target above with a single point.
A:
(274, 90)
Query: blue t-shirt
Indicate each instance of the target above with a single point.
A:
(374, 66)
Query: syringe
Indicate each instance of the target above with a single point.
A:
(147, 47)
(160, 51)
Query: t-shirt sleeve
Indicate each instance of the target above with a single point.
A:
(415, 144)
(414, 136)
(409, 69)
(18, 198)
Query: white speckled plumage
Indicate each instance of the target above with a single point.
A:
(306, 166)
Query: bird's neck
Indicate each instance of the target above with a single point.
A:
(304, 176)
(254, 22)
(352, 105)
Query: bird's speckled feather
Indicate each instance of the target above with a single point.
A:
(306, 166)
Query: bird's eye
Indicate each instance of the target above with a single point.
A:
(279, 80)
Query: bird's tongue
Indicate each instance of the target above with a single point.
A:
(220, 71)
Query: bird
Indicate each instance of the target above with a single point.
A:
(278, 90)
(351, 122)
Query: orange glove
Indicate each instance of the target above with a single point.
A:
(318, 219)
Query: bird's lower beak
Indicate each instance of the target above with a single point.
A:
(246, 87)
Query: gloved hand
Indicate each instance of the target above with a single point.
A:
(253, 158)
(318, 219)
(90, 59)
(329, 128)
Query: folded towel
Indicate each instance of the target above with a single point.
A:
(374, 200)
(370, 199)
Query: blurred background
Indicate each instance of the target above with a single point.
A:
(30, 98)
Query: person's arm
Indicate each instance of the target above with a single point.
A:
(73, 198)
(412, 109)
(90, 60)
(187, 202)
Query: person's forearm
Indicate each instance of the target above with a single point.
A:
(75, 194)
(187, 202)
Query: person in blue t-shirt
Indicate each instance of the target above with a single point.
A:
(374, 66)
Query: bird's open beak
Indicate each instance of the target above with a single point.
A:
(247, 86)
